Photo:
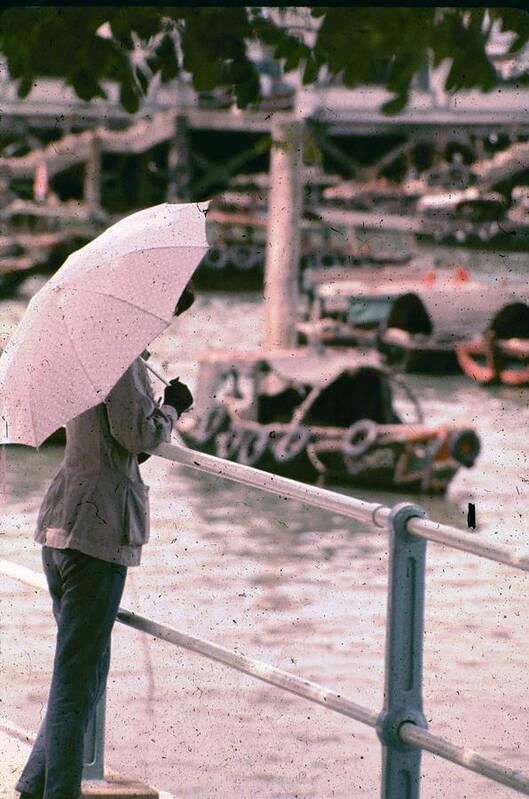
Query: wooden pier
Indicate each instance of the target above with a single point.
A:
(170, 113)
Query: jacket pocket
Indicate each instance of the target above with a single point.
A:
(136, 516)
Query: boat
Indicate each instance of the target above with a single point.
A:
(447, 328)
(54, 217)
(380, 195)
(501, 354)
(318, 419)
(474, 218)
(363, 257)
(237, 230)
(348, 310)
(469, 216)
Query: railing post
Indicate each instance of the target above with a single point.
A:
(401, 763)
(94, 743)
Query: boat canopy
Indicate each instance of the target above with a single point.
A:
(461, 314)
(511, 321)
(362, 393)
(318, 370)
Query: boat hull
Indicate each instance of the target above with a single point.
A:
(490, 362)
(423, 465)
(419, 359)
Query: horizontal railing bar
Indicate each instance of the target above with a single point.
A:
(462, 756)
(374, 513)
(266, 481)
(22, 574)
(409, 733)
(14, 731)
(255, 668)
(457, 539)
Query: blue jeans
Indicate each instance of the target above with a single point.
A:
(86, 593)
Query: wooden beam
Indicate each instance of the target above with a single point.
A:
(221, 173)
(92, 176)
(322, 138)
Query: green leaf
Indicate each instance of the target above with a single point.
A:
(128, 97)
(387, 46)
(262, 145)
(311, 151)
(311, 71)
(144, 21)
(142, 79)
(166, 53)
(245, 83)
(515, 20)
(25, 86)
(154, 63)
(86, 86)
(395, 104)
(124, 39)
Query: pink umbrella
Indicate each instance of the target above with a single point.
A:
(95, 316)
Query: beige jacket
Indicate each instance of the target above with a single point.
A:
(98, 503)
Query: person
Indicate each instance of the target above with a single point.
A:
(92, 525)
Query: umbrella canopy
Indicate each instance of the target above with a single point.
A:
(90, 321)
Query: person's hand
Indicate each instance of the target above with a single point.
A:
(178, 396)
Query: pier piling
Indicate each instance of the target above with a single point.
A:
(283, 239)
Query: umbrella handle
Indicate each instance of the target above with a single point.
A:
(155, 373)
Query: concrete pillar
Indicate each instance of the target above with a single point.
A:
(283, 234)
(92, 175)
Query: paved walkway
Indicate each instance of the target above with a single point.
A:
(13, 758)
(14, 753)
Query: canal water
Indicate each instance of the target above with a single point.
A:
(301, 589)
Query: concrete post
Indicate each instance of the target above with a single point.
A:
(92, 175)
(283, 234)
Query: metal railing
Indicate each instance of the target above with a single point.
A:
(401, 724)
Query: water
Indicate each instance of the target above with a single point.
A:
(302, 589)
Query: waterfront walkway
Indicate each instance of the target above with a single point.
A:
(14, 755)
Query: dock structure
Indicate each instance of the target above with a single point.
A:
(168, 111)
(401, 725)
(53, 104)
(171, 113)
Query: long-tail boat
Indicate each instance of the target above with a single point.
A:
(321, 419)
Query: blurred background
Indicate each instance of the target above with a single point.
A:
(352, 157)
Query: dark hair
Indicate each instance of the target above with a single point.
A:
(186, 300)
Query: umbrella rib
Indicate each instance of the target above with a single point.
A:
(119, 299)
(32, 416)
(74, 348)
